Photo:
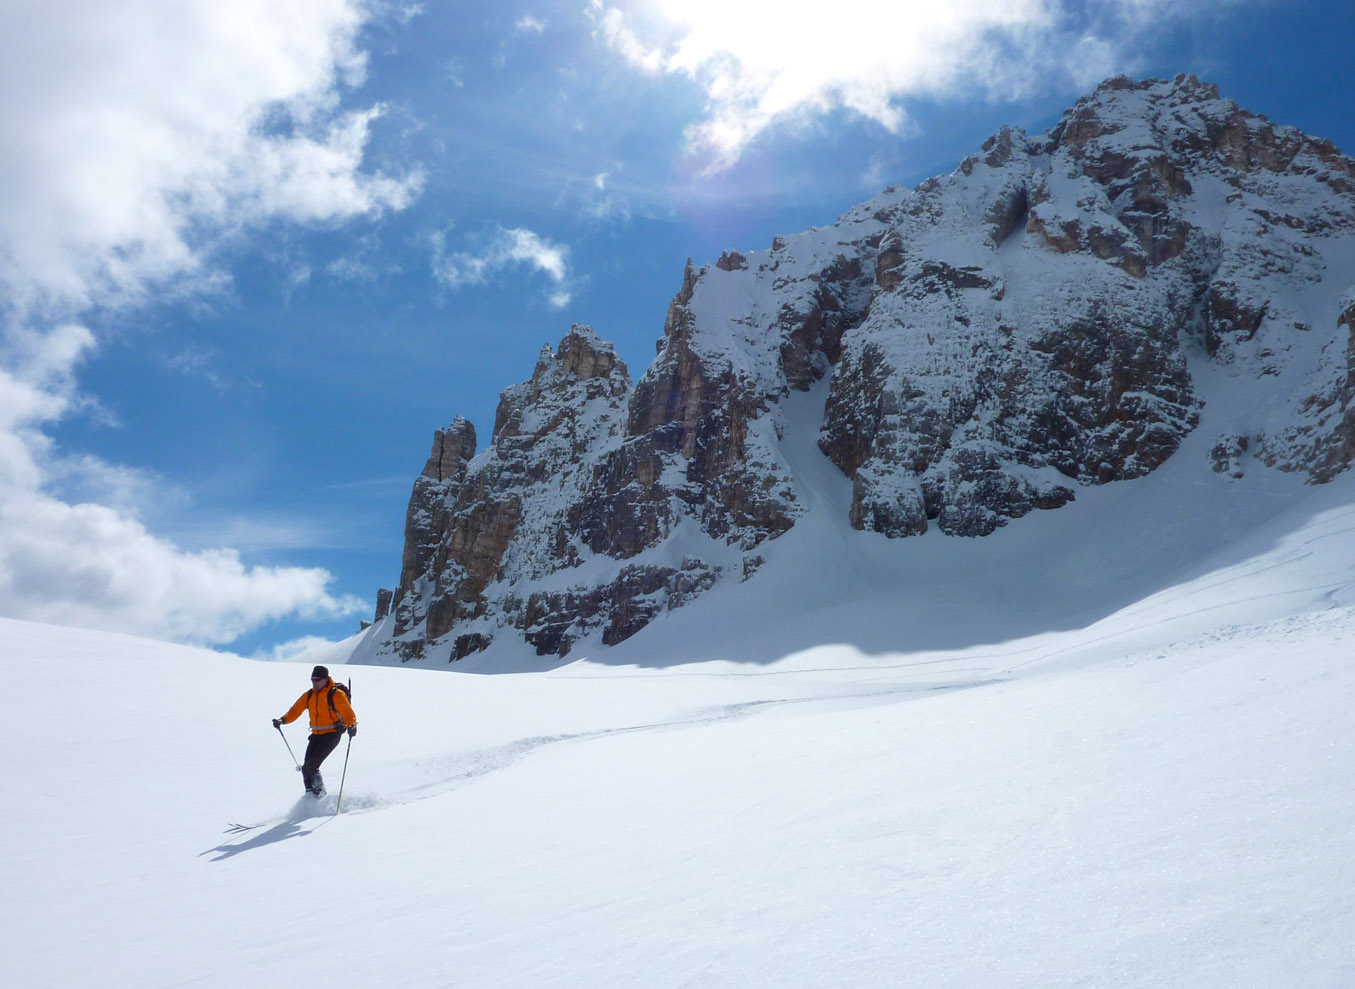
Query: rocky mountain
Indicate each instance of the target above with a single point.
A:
(990, 343)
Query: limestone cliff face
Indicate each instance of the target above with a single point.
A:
(989, 344)
(472, 521)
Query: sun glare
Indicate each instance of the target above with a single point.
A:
(760, 61)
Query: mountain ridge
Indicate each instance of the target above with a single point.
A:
(992, 343)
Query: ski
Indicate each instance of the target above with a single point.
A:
(297, 815)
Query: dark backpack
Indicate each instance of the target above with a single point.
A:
(347, 689)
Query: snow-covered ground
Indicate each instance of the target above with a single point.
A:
(1131, 768)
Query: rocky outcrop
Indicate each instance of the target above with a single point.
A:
(552, 620)
(466, 526)
(976, 392)
(989, 344)
(1319, 438)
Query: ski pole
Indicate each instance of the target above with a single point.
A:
(339, 802)
(289, 748)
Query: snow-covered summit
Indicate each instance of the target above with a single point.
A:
(1056, 314)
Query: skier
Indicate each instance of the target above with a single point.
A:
(331, 715)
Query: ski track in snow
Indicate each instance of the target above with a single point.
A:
(448, 773)
(456, 770)
(867, 684)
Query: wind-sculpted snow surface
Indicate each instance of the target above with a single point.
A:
(995, 341)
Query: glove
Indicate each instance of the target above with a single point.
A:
(277, 722)
(352, 730)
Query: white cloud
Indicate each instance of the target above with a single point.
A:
(134, 138)
(287, 652)
(89, 565)
(489, 256)
(602, 203)
(528, 24)
(127, 490)
(95, 564)
(134, 135)
(402, 13)
(351, 268)
(365, 261)
(624, 41)
(764, 62)
(195, 361)
(37, 391)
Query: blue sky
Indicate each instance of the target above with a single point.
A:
(252, 255)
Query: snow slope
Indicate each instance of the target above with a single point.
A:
(1098, 779)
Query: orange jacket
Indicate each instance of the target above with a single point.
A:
(316, 701)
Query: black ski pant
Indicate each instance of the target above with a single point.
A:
(317, 751)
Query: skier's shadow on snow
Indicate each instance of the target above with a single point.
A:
(278, 832)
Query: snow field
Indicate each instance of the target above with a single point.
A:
(1176, 815)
